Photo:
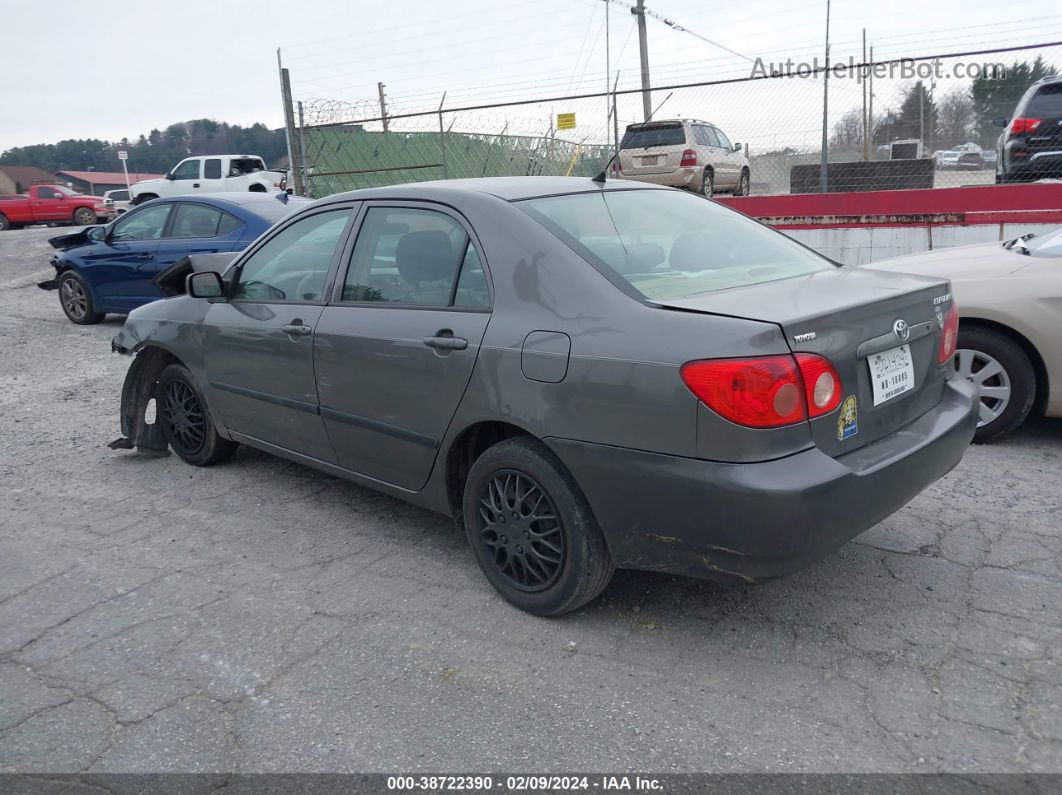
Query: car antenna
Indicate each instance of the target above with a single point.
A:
(600, 178)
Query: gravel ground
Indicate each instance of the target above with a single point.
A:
(261, 616)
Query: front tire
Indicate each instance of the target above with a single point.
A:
(84, 216)
(186, 420)
(4, 223)
(742, 188)
(75, 298)
(1005, 375)
(532, 531)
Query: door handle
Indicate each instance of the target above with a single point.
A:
(195, 184)
(446, 341)
(296, 329)
(144, 257)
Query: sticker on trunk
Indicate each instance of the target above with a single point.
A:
(848, 420)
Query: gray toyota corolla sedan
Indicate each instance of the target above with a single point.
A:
(585, 376)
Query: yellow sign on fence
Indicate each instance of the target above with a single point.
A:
(565, 121)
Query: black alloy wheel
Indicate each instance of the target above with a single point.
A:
(521, 530)
(183, 418)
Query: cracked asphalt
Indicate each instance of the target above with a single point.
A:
(260, 616)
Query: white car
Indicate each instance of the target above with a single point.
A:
(211, 174)
(117, 200)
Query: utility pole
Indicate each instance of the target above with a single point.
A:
(383, 105)
(608, 70)
(866, 119)
(870, 100)
(294, 156)
(825, 105)
(643, 46)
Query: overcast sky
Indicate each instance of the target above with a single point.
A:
(111, 70)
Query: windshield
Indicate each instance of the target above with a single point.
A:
(669, 244)
(660, 135)
(1048, 244)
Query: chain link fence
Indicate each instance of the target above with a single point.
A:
(916, 122)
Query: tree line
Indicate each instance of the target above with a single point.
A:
(963, 114)
(156, 152)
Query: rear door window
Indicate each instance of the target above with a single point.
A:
(196, 220)
(212, 168)
(655, 135)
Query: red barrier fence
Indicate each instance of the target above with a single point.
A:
(1037, 203)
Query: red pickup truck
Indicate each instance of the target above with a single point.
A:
(52, 204)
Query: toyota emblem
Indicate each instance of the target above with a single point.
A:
(901, 330)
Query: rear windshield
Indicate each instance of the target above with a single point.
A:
(1047, 101)
(641, 137)
(670, 244)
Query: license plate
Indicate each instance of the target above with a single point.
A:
(891, 373)
(649, 161)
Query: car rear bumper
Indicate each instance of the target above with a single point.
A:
(754, 522)
(689, 178)
(1038, 165)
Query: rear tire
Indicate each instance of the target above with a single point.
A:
(75, 298)
(4, 223)
(708, 184)
(186, 420)
(532, 531)
(997, 364)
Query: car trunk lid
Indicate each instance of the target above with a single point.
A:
(850, 315)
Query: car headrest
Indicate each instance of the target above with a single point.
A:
(425, 256)
(695, 251)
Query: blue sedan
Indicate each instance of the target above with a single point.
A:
(109, 269)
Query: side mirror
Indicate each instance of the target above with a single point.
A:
(169, 175)
(205, 284)
(97, 234)
(1000, 122)
(737, 147)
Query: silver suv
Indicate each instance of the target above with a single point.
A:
(683, 153)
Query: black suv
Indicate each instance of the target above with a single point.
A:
(1031, 146)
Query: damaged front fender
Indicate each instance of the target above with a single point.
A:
(138, 392)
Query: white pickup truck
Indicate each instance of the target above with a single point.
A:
(210, 174)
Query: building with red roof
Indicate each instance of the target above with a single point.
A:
(99, 182)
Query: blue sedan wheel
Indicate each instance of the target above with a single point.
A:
(76, 300)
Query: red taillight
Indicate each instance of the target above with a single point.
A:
(764, 392)
(949, 336)
(689, 158)
(822, 384)
(1020, 125)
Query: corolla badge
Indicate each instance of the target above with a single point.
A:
(901, 330)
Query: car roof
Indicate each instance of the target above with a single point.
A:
(240, 199)
(506, 188)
